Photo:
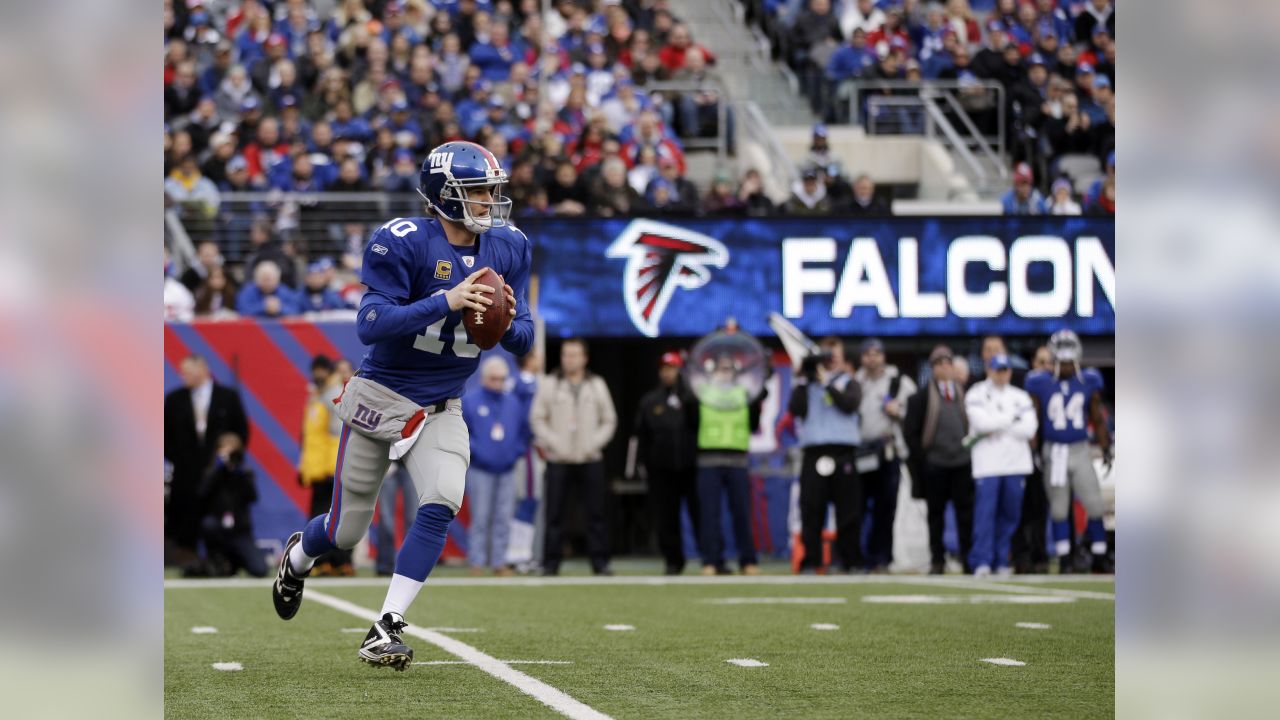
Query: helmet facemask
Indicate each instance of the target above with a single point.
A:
(499, 205)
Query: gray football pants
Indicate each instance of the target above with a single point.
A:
(1068, 468)
(437, 465)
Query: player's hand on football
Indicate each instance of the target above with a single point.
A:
(511, 297)
(470, 295)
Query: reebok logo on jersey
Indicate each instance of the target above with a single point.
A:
(444, 268)
(371, 316)
(380, 249)
(468, 260)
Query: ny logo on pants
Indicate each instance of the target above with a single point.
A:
(366, 418)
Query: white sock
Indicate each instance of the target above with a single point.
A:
(401, 594)
(299, 560)
(1099, 547)
(1062, 548)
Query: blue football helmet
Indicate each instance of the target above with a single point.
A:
(448, 175)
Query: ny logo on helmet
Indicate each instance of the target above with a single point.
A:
(660, 258)
(441, 162)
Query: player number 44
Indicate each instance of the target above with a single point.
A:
(430, 341)
(1060, 414)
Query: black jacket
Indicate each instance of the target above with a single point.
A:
(227, 490)
(183, 447)
(666, 428)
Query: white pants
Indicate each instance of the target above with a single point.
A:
(437, 464)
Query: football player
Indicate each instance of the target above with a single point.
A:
(1063, 396)
(403, 403)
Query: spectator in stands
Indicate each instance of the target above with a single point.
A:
(216, 294)
(1095, 13)
(819, 147)
(182, 95)
(1062, 199)
(1002, 419)
(195, 195)
(266, 151)
(612, 196)
(667, 446)
(963, 22)
(885, 392)
(839, 191)
(988, 63)
(960, 370)
(566, 193)
(865, 201)
(751, 193)
(263, 246)
(196, 415)
(1072, 132)
(573, 418)
(179, 304)
(852, 59)
(1105, 205)
(648, 131)
(318, 294)
(1104, 133)
(1023, 198)
(684, 195)
(1095, 189)
(266, 297)
(824, 403)
(208, 256)
(720, 199)
(349, 178)
(815, 37)
(222, 147)
(700, 109)
(672, 55)
(497, 419)
(495, 55)
(861, 14)
(935, 428)
(808, 195)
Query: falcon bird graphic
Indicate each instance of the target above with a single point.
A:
(660, 258)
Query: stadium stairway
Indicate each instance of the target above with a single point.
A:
(743, 61)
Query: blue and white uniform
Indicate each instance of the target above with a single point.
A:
(1067, 460)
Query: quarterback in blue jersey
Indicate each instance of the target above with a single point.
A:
(1063, 396)
(404, 402)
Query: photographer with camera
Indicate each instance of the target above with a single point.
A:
(824, 403)
(226, 492)
(885, 391)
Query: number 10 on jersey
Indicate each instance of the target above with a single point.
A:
(430, 341)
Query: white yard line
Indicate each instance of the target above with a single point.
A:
(746, 662)
(620, 628)
(507, 662)
(204, 630)
(971, 584)
(1016, 584)
(777, 601)
(825, 626)
(555, 699)
(1007, 662)
(1032, 626)
(1014, 599)
(228, 666)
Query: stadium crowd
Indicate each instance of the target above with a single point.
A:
(1054, 59)
(855, 422)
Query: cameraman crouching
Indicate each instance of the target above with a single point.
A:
(825, 405)
(226, 492)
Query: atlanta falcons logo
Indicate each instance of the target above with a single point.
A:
(661, 257)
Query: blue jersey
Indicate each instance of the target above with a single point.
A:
(418, 347)
(1064, 403)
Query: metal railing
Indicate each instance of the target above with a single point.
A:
(720, 141)
(755, 127)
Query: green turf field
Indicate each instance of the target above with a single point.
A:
(885, 659)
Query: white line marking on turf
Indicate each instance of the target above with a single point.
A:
(966, 599)
(825, 626)
(1032, 626)
(228, 666)
(746, 662)
(620, 628)
(777, 601)
(1017, 585)
(204, 630)
(1007, 662)
(508, 662)
(433, 629)
(555, 699)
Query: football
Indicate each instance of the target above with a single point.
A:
(487, 328)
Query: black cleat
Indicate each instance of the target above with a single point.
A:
(382, 647)
(286, 592)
